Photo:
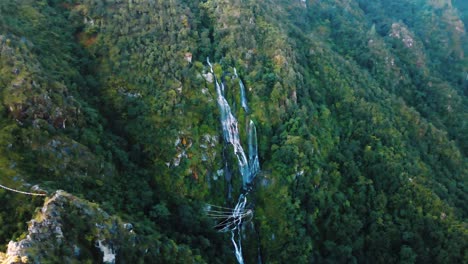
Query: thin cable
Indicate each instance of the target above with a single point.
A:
(234, 215)
(217, 211)
(216, 215)
(27, 193)
(234, 220)
(212, 205)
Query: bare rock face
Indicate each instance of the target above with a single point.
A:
(208, 77)
(15, 248)
(188, 57)
(400, 31)
(13, 259)
(62, 224)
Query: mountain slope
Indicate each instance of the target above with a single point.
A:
(360, 107)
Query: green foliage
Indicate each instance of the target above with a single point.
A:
(362, 135)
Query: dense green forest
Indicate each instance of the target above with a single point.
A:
(362, 119)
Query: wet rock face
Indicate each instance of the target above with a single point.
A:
(54, 228)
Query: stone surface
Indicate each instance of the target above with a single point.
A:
(51, 230)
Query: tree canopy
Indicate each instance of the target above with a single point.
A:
(361, 112)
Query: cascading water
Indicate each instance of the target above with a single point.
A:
(242, 93)
(231, 135)
(254, 164)
(233, 219)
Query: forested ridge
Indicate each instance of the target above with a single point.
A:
(360, 106)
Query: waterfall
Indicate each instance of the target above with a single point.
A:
(209, 64)
(237, 214)
(247, 168)
(254, 164)
(231, 135)
(242, 93)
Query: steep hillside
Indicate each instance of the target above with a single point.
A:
(360, 110)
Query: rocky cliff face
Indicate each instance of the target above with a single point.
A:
(69, 224)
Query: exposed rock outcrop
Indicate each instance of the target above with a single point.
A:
(70, 224)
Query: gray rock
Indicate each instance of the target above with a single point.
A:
(47, 231)
(128, 226)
